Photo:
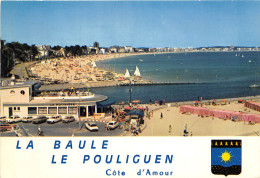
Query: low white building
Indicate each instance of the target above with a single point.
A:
(24, 99)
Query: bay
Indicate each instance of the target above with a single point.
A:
(226, 75)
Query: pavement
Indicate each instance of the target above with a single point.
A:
(61, 129)
(20, 69)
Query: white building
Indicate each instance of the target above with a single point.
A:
(24, 99)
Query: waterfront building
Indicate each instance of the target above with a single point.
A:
(96, 44)
(121, 50)
(25, 99)
(129, 49)
(113, 49)
(43, 50)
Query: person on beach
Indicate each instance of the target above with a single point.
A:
(170, 128)
(161, 115)
(39, 130)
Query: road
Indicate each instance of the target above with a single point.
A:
(63, 129)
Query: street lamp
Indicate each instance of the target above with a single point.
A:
(130, 91)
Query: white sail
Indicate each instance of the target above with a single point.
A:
(137, 72)
(94, 64)
(127, 74)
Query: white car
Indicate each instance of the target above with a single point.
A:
(54, 119)
(68, 119)
(112, 125)
(13, 119)
(27, 119)
(91, 126)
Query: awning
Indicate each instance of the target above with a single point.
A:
(135, 112)
(106, 103)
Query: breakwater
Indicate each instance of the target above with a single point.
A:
(52, 87)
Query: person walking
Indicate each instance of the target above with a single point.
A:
(39, 130)
(161, 115)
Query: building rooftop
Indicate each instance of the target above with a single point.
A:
(42, 102)
(27, 83)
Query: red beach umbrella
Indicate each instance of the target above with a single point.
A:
(128, 108)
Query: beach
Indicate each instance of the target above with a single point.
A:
(199, 126)
(81, 72)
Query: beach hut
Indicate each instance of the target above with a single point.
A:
(136, 117)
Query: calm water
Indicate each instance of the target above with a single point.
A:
(227, 75)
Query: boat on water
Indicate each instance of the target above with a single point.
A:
(137, 72)
(254, 86)
(242, 55)
(127, 74)
(93, 64)
(249, 61)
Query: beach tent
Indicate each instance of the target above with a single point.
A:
(224, 114)
(252, 105)
(106, 103)
(136, 112)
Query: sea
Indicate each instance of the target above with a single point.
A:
(213, 75)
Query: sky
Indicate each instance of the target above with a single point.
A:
(132, 23)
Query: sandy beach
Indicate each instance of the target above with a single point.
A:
(198, 126)
(80, 70)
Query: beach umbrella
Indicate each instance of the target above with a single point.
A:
(128, 108)
(197, 101)
(141, 108)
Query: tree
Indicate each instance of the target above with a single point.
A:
(7, 61)
(34, 51)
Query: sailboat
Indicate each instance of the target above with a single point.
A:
(137, 72)
(93, 64)
(254, 85)
(127, 74)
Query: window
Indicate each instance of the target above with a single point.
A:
(62, 110)
(22, 92)
(32, 110)
(52, 110)
(42, 110)
(73, 110)
(18, 108)
(14, 108)
(12, 92)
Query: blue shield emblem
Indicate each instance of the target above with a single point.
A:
(226, 157)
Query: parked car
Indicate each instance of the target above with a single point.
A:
(112, 125)
(13, 119)
(28, 119)
(54, 119)
(5, 126)
(91, 126)
(68, 119)
(2, 118)
(39, 120)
